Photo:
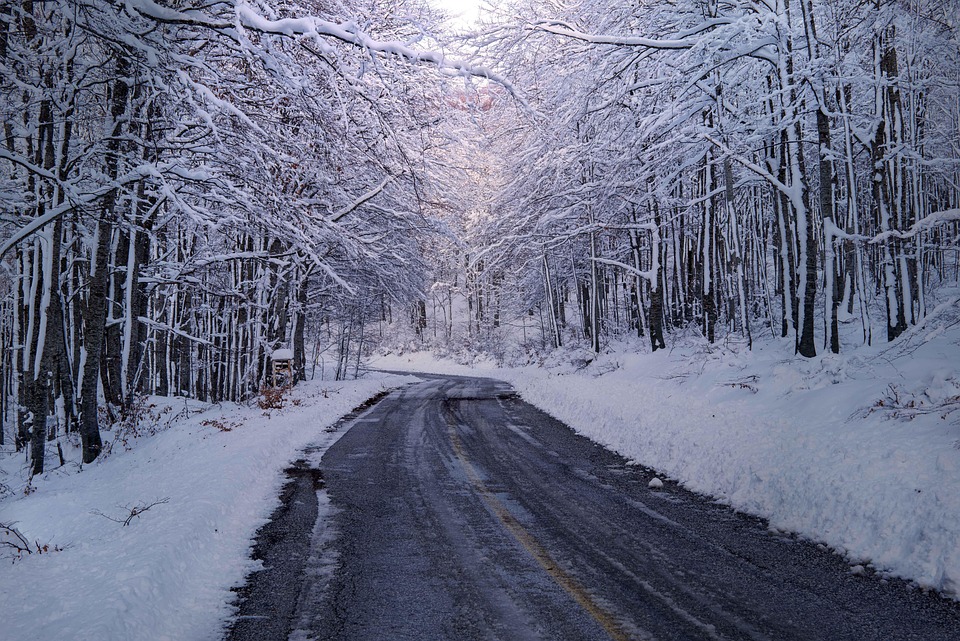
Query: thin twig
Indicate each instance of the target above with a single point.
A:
(135, 511)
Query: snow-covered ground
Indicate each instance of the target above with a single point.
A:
(214, 474)
(860, 451)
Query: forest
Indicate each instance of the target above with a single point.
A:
(187, 186)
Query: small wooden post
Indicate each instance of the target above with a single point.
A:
(282, 366)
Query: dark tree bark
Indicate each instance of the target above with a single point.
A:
(656, 292)
(299, 333)
(48, 340)
(96, 311)
(183, 348)
(832, 271)
(806, 345)
(112, 365)
(707, 267)
(835, 286)
(23, 429)
(886, 203)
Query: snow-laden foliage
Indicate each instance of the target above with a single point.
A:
(741, 168)
(188, 186)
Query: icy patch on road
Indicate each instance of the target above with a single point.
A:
(318, 571)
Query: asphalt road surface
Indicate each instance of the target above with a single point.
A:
(454, 511)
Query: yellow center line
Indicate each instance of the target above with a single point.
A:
(605, 619)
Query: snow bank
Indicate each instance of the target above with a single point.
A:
(167, 575)
(860, 451)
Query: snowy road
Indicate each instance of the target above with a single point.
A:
(459, 512)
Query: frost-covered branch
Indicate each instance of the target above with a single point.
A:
(318, 30)
(926, 223)
(649, 274)
(683, 40)
(360, 200)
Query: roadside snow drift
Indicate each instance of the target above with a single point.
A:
(860, 451)
(213, 475)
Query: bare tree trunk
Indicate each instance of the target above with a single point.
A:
(95, 316)
(300, 321)
(657, 285)
(551, 304)
(736, 253)
(594, 294)
(830, 265)
(806, 345)
(707, 254)
(47, 334)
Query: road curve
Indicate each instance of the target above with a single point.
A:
(457, 511)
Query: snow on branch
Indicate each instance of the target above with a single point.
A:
(12, 541)
(211, 98)
(790, 192)
(686, 39)
(76, 201)
(359, 201)
(350, 34)
(563, 29)
(156, 325)
(320, 31)
(17, 159)
(924, 224)
(649, 274)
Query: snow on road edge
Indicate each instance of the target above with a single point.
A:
(815, 446)
(167, 575)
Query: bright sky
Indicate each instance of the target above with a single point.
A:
(465, 12)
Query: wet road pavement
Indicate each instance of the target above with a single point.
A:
(453, 510)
